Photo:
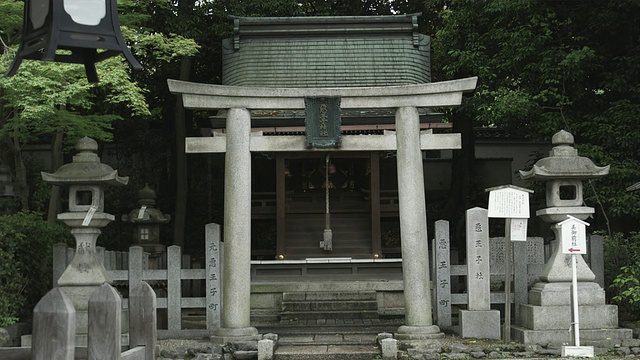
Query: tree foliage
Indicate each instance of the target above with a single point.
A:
(545, 66)
(25, 262)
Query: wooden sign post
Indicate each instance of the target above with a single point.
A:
(573, 239)
(511, 203)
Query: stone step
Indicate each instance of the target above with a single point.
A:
(341, 305)
(363, 327)
(329, 296)
(327, 339)
(324, 352)
(310, 315)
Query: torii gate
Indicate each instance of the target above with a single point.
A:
(238, 144)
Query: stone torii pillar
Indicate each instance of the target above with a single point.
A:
(413, 229)
(237, 230)
(238, 143)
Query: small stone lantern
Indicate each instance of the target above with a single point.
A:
(7, 190)
(147, 220)
(7, 185)
(86, 178)
(563, 172)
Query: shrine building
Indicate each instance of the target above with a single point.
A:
(324, 123)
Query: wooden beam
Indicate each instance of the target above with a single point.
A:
(280, 205)
(376, 242)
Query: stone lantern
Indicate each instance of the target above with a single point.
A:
(547, 316)
(7, 189)
(7, 185)
(86, 178)
(563, 172)
(147, 220)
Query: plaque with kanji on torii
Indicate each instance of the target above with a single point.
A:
(323, 122)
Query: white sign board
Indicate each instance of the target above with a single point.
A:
(518, 230)
(574, 236)
(509, 203)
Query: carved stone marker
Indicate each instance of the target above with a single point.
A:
(479, 321)
(214, 275)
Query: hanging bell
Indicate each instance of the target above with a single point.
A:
(80, 27)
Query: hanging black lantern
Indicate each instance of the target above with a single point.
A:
(79, 26)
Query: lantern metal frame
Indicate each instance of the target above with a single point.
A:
(60, 32)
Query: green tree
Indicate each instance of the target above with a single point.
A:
(26, 262)
(45, 100)
(544, 66)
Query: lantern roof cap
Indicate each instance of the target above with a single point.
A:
(86, 168)
(563, 162)
(146, 194)
(562, 138)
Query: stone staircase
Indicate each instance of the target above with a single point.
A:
(301, 306)
(329, 325)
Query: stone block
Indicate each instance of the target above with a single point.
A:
(340, 296)
(562, 336)
(480, 324)
(389, 349)
(388, 301)
(631, 343)
(271, 336)
(265, 349)
(296, 306)
(293, 296)
(559, 317)
(577, 351)
(559, 293)
(5, 338)
(17, 330)
(382, 336)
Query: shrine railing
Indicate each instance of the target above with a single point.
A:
(178, 288)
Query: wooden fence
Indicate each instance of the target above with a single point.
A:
(54, 327)
(184, 287)
(448, 273)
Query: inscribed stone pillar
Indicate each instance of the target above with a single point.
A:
(443, 271)
(479, 321)
(214, 278)
(478, 277)
(413, 229)
(237, 230)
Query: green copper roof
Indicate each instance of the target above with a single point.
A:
(326, 52)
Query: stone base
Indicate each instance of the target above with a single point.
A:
(577, 351)
(231, 335)
(417, 336)
(559, 317)
(557, 294)
(587, 336)
(482, 324)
